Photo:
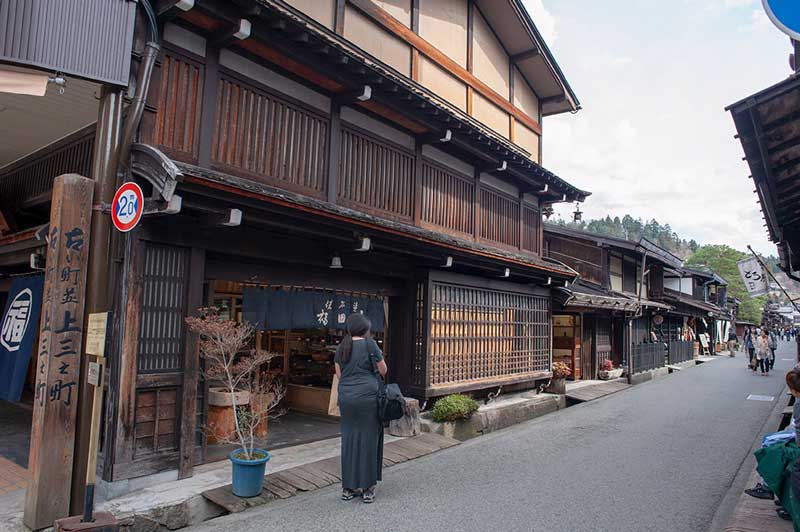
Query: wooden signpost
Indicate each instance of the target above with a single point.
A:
(60, 343)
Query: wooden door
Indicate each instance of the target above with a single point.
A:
(587, 348)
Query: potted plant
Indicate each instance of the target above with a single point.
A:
(558, 383)
(607, 371)
(235, 371)
(452, 417)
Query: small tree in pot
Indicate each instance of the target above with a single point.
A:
(558, 383)
(228, 360)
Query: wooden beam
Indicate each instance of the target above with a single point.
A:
(334, 150)
(338, 17)
(527, 54)
(418, 182)
(238, 31)
(435, 137)
(349, 97)
(394, 26)
(191, 366)
(208, 106)
(128, 347)
(167, 10)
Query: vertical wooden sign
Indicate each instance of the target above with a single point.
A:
(60, 343)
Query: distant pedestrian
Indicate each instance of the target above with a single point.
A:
(773, 344)
(360, 365)
(762, 352)
(749, 344)
(732, 341)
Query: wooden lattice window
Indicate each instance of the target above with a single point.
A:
(531, 229)
(161, 334)
(179, 93)
(269, 137)
(376, 175)
(499, 218)
(480, 334)
(448, 199)
(156, 421)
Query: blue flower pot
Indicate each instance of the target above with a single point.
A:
(248, 474)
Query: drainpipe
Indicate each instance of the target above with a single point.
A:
(151, 50)
(111, 153)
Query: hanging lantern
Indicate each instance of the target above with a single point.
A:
(577, 215)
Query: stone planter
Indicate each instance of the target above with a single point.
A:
(558, 385)
(609, 375)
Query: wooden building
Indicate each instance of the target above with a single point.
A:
(322, 155)
(609, 313)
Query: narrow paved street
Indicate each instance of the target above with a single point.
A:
(657, 457)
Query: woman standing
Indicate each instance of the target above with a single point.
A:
(749, 344)
(358, 362)
(762, 352)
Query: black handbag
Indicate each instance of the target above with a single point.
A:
(391, 403)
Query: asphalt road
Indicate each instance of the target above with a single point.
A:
(659, 456)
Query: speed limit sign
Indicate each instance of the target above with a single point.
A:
(127, 207)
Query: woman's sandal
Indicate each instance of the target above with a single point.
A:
(348, 495)
(368, 496)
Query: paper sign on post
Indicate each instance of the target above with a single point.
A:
(754, 277)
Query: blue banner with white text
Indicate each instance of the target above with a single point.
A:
(19, 325)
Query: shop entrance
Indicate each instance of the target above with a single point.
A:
(567, 342)
(304, 325)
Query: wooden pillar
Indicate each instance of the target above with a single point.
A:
(191, 366)
(124, 366)
(338, 20)
(208, 108)
(521, 220)
(60, 345)
(98, 299)
(476, 214)
(417, 182)
(334, 149)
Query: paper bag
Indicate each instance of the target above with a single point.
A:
(333, 404)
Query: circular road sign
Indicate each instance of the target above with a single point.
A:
(785, 14)
(127, 207)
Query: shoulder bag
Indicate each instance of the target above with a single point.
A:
(391, 404)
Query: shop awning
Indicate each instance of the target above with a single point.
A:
(768, 126)
(587, 296)
(681, 300)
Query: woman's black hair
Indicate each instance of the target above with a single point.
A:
(356, 325)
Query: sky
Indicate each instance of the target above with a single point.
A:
(653, 139)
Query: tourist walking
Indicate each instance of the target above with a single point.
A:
(773, 345)
(359, 361)
(750, 346)
(762, 352)
(732, 341)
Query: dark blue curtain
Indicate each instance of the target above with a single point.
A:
(269, 308)
(19, 327)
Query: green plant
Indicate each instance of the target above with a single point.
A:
(454, 408)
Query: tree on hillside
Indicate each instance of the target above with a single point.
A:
(722, 259)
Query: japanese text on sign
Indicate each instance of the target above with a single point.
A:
(753, 276)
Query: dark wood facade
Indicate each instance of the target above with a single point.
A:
(275, 127)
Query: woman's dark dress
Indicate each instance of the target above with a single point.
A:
(362, 430)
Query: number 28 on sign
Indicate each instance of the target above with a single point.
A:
(127, 207)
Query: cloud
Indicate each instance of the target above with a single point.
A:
(656, 143)
(621, 61)
(545, 21)
(758, 21)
